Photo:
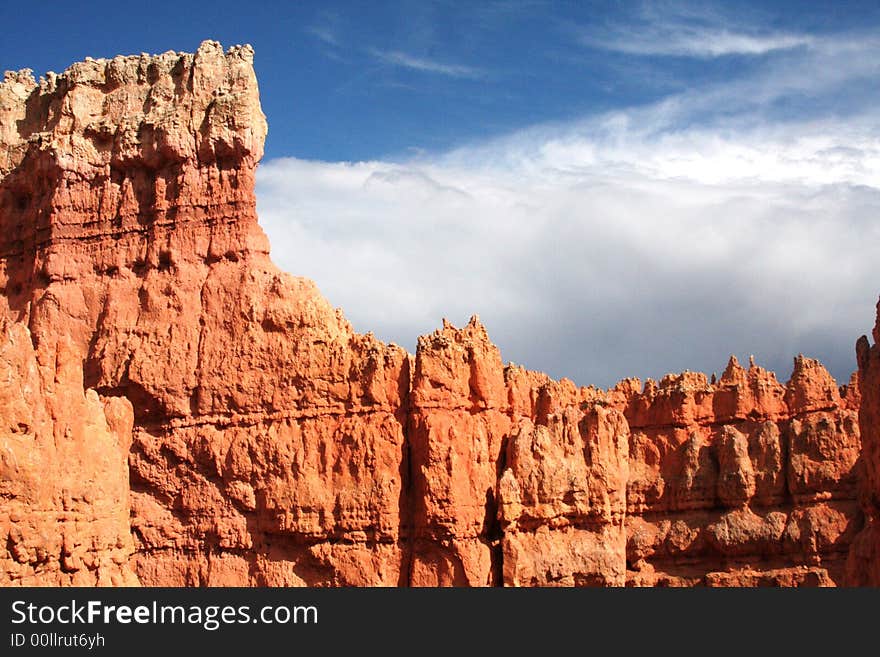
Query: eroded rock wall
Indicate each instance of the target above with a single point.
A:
(742, 481)
(516, 479)
(863, 567)
(267, 443)
(268, 438)
(64, 495)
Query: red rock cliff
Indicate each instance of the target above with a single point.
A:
(269, 444)
(744, 481)
(268, 437)
(863, 567)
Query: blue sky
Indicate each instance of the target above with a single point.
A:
(617, 188)
(362, 80)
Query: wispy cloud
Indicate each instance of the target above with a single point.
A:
(425, 65)
(324, 34)
(834, 75)
(675, 29)
(684, 41)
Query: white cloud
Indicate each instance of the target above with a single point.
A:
(404, 60)
(687, 41)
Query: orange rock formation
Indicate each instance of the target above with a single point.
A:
(863, 567)
(176, 411)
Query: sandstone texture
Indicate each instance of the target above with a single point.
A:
(863, 567)
(744, 481)
(64, 495)
(176, 411)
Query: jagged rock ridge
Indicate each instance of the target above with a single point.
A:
(269, 444)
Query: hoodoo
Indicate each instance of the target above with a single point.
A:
(174, 410)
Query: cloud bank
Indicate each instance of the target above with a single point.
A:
(595, 260)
